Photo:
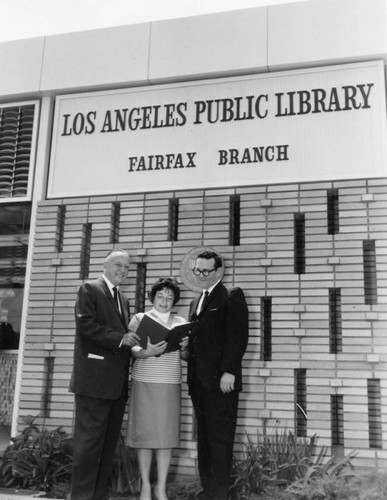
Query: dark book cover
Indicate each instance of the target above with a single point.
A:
(156, 332)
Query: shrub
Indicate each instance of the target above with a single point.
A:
(37, 459)
(329, 481)
(272, 462)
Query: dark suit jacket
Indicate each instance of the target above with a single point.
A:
(219, 338)
(100, 365)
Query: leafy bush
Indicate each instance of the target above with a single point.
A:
(37, 459)
(329, 481)
(272, 461)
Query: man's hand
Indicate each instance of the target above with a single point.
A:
(227, 382)
(184, 343)
(130, 339)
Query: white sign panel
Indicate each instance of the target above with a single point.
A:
(315, 124)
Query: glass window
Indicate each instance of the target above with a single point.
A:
(14, 230)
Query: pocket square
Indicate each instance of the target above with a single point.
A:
(94, 356)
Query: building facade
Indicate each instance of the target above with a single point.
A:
(260, 133)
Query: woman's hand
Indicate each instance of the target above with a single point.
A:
(155, 349)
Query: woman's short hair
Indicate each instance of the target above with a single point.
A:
(163, 283)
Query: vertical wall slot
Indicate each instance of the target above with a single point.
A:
(140, 287)
(337, 420)
(60, 225)
(115, 223)
(333, 211)
(369, 268)
(299, 243)
(48, 371)
(85, 251)
(374, 413)
(173, 222)
(335, 324)
(235, 220)
(301, 407)
(266, 329)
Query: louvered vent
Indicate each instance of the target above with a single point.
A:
(16, 127)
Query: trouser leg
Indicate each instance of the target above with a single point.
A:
(216, 415)
(97, 427)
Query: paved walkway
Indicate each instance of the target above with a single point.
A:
(6, 494)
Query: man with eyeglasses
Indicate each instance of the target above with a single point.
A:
(217, 344)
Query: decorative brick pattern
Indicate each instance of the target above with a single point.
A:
(263, 264)
(8, 364)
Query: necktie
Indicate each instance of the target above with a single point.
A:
(115, 291)
(204, 301)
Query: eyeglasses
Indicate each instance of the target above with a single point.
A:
(204, 272)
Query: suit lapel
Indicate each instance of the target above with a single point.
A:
(109, 296)
(193, 307)
(210, 298)
(124, 310)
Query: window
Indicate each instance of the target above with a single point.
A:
(11, 312)
(14, 232)
(17, 125)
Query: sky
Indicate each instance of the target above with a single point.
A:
(31, 18)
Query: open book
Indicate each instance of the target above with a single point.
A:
(156, 332)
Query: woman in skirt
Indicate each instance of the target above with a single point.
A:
(155, 395)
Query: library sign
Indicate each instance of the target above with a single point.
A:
(315, 124)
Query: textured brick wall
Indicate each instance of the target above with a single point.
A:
(8, 363)
(263, 264)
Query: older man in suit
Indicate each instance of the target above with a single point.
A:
(100, 376)
(217, 344)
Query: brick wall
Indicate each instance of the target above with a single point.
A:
(323, 324)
